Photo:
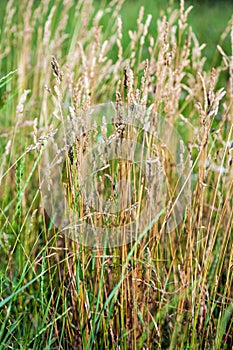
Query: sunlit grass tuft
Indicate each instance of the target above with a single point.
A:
(163, 290)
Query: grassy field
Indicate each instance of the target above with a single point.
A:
(208, 20)
(167, 281)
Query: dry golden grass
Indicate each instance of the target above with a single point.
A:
(166, 290)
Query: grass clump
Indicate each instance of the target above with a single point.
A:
(164, 289)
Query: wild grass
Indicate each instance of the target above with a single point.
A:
(162, 290)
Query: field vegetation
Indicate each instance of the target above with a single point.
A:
(164, 289)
